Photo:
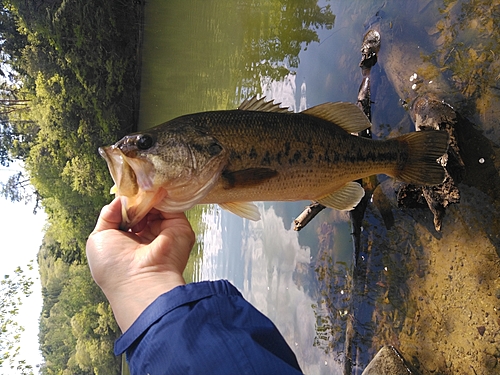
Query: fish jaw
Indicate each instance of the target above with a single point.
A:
(114, 162)
(160, 181)
(135, 208)
(134, 185)
(128, 174)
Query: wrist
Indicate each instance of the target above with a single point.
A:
(130, 299)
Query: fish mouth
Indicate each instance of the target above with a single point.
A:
(173, 187)
(113, 160)
(133, 178)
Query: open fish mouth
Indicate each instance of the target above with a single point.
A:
(128, 174)
(115, 161)
(133, 180)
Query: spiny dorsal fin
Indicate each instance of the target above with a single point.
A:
(254, 104)
(344, 199)
(246, 210)
(346, 115)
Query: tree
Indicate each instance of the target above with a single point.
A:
(19, 189)
(13, 289)
(75, 72)
(75, 315)
(286, 26)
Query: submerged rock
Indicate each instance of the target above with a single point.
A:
(388, 361)
(430, 113)
(369, 50)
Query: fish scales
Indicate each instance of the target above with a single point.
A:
(312, 156)
(260, 152)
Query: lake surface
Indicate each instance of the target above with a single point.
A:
(208, 55)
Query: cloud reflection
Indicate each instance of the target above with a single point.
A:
(266, 262)
(272, 255)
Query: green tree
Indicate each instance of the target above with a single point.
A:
(73, 68)
(75, 315)
(13, 289)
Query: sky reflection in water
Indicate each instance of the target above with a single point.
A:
(267, 263)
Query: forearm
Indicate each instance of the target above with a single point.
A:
(205, 328)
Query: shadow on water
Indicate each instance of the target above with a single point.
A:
(433, 295)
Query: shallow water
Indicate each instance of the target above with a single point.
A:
(210, 55)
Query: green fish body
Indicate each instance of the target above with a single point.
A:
(261, 152)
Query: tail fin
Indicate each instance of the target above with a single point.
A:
(424, 148)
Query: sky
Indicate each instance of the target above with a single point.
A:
(22, 234)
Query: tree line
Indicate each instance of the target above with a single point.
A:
(69, 78)
(69, 83)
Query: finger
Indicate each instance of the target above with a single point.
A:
(175, 243)
(146, 221)
(110, 217)
(176, 224)
(140, 226)
(180, 227)
(170, 216)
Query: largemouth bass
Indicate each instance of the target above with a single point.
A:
(261, 152)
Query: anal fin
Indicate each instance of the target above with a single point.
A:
(344, 199)
(246, 210)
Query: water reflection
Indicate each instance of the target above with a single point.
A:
(214, 54)
(276, 273)
(430, 294)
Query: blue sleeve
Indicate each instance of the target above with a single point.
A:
(205, 328)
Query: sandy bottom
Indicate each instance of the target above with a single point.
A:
(436, 296)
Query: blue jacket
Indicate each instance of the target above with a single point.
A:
(205, 328)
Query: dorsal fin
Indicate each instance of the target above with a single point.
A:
(254, 104)
(346, 115)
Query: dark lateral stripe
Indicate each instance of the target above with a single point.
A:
(247, 177)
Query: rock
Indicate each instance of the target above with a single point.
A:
(481, 330)
(388, 361)
(490, 362)
(431, 113)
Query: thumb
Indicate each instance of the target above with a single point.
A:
(110, 217)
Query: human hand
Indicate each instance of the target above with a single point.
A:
(134, 268)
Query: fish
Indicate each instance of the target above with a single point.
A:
(263, 152)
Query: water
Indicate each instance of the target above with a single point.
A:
(417, 284)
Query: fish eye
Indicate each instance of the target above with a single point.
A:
(214, 149)
(144, 142)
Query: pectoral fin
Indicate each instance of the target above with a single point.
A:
(344, 199)
(247, 177)
(246, 210)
